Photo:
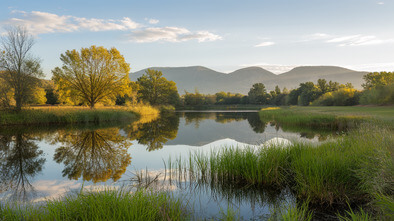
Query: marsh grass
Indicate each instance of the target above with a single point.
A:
(74, 115)
(291, 212)
(103, 205)
(352, 215)
(384, 206)
(229, 214)
(334, 172)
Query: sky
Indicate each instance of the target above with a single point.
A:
(224, 35)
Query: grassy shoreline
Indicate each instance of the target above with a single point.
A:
(102, 205)
(74, 115)
(329, 117)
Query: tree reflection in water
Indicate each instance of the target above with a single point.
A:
(156, 133)
(96, 155)
(20, 161)
(253, 119)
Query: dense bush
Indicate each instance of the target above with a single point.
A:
(378, 95)
(341, 97)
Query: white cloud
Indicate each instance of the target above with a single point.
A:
(349, 40)
(359, 40)
(171, 34)
(43, 22)
(153, 21)
(316, 36)
(264, 44)
(380, 3)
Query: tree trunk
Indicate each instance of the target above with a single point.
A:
(18, 101)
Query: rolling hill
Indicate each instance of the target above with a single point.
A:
(208, 81)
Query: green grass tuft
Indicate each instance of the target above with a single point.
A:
(103, 205)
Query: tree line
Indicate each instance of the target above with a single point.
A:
(97, 75)
(378, 89)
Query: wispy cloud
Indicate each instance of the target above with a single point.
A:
(153, 21)
(43, 22)
(359, 40)
(349, 40)
(380, 3)
(171, 34)
(265, 44)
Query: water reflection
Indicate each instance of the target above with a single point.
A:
(20, 161)
(253, 118)
(305, 132)
(156, 133)
(94, 155)
(100, 153)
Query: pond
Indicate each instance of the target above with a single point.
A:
(39, 163)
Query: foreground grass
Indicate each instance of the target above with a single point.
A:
(73, 115)
(104, 205)
(351, 169)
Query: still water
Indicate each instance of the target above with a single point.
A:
(46, 163)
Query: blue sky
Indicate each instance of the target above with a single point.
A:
(222, 35)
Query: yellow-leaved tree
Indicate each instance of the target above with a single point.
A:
(92, 75)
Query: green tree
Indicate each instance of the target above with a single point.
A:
(278, 97)
(258, 94)
(333, 86)
(292, 98)
(52, 96)
(378, 95)
(18, 66)
(92, 75)
(309, 92)
(277, 90)
(6, 95)
(376, 79)
(322, 85)
(156, 89)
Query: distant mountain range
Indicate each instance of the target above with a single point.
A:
(208, 81)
